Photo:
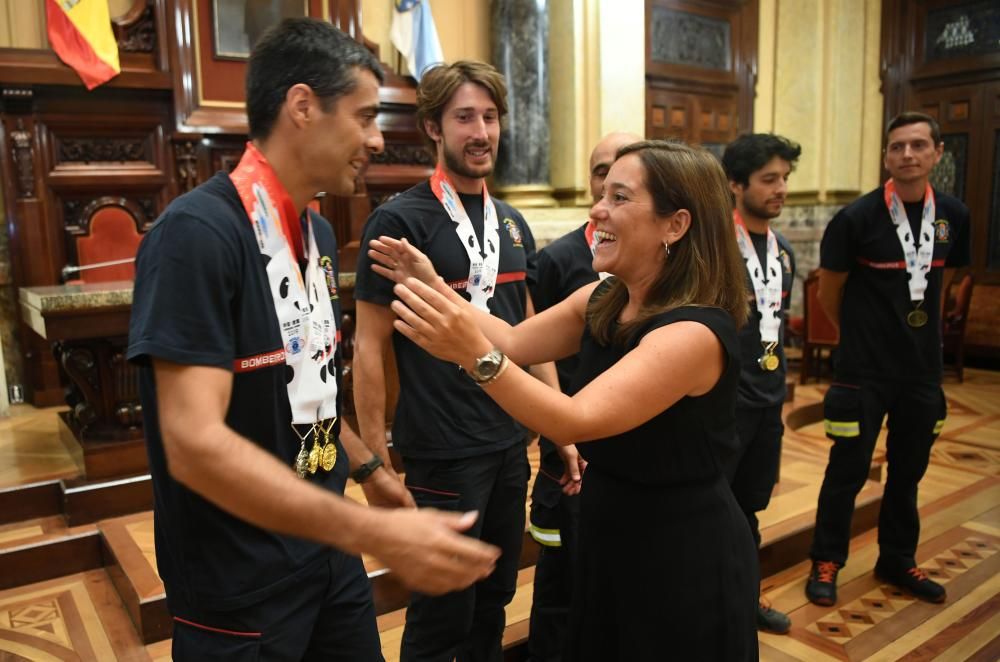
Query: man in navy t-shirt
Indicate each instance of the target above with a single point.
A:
(461, 451)
(235, 329)
(885, 262)
(758, 166)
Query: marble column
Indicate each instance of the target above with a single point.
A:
(521, 54)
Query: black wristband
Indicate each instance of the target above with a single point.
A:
(362, 473)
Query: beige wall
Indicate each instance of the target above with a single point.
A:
(818, 84)
(597, 81)
(462, 25)
(22, 22)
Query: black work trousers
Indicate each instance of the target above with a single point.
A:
(555, 523)
(468, 625)
(853, 415)
(753, 470)
(326, 614)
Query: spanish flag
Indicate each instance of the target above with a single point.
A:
(80, 34)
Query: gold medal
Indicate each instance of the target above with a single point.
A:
(916, 318)
(769, 362)
(329, 456)
(314, 457)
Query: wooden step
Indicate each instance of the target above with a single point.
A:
(76, 499)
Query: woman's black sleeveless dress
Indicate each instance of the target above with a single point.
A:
(668, 569)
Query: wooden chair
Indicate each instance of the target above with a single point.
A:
(110, 231)
(953, 326)
(818, 332)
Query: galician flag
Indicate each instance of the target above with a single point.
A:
(80, 34)
(414, 35)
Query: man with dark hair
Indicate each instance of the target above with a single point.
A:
(461, 451)
(564, 266)
(758, 166)
(885, 262)
(235, 329)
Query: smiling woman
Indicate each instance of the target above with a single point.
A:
(654, 399)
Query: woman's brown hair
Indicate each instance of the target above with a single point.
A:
(704, 267)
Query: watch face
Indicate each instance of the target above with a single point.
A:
(488, 365)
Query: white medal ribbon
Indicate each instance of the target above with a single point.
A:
(305, 315)
(482, 279)
(767, 295)
(917, 260)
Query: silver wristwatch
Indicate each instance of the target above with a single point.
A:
(487, 366)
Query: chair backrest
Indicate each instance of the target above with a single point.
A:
(113, 235)
(819, 330)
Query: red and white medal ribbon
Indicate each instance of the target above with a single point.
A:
(305, 314)
(592, 242)
(482, 270)
(767, 294)
(917, 260)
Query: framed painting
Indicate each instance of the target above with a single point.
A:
(238, 24)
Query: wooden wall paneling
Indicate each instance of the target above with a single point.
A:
(991, 164)
(701, 67)
(669, 112)
(141, 55)
(941, 56)
(930, 44)
(32, 240)
(208, 90)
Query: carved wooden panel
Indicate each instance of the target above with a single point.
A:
(690, 114)
(700, 62)
(962, 29)
(948, 175)
(690, 39)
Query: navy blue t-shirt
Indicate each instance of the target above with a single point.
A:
(442, 413)
(758, 387)
(875, 340)
(202, 298)
(564, 266)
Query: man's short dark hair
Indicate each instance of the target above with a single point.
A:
(302, 50)
(752, 151)
(912, 117)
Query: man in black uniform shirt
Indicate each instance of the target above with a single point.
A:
(235, 328)
(564, 266)
(886, 260)
(758, 166)
(461, 451)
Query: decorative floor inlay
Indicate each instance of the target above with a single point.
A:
(55, 620)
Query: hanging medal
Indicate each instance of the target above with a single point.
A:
(301, 301)
(916, 259)
(329, 458)
(767, 292)
(303, 460)
(483, 271)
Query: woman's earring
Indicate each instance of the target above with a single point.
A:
(666, 249)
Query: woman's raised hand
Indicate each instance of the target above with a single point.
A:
(397, 260)
(439, 326)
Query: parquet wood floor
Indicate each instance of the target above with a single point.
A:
(81, 616)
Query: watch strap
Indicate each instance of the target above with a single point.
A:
(363, 472)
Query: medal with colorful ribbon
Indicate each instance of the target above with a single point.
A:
(917, 259)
